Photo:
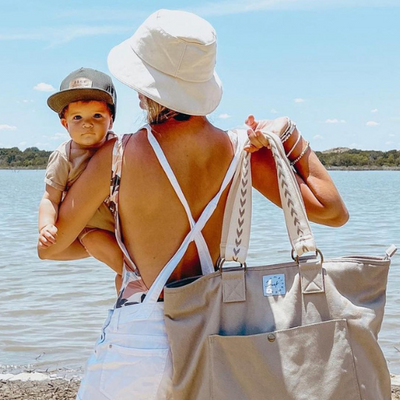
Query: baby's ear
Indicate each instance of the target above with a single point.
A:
(111, 124)
(64, 123)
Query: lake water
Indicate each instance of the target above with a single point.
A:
(51, 312)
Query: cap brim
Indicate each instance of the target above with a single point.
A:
(58, 101)
(192, 98)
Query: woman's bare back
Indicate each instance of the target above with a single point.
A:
(153, 220)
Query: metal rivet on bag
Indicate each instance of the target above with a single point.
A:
(271, 337)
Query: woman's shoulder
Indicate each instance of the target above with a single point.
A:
(134, 137)
(140, 132)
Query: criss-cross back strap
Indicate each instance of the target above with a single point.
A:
(202, 248)
(196, 227)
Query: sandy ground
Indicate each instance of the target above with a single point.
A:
(61, 389)
(50, 389)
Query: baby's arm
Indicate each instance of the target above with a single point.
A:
(48, 212)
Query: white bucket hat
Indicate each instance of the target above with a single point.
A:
(171, 60)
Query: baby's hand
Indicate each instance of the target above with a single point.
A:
(48, 235)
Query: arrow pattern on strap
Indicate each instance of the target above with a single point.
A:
(286, 192)
(242, 201)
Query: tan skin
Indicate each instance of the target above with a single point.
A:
(153, 220)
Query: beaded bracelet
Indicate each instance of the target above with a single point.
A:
(301, 154)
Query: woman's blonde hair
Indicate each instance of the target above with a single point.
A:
(157, 114)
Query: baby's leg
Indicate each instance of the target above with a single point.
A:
(102, 245)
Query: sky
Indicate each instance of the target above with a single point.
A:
(332, 66)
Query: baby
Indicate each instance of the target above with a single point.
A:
(86, 105)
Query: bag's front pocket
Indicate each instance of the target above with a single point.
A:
(312, 362)
(130, 373)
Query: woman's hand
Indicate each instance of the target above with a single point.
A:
(255, 134)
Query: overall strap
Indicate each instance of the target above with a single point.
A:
(202, 248)
(162, 278)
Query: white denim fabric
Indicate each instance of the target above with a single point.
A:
(132, 359)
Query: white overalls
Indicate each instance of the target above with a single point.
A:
(131, 360)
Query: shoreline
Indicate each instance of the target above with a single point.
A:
(355, 168)
(39, 386)
(329, 168)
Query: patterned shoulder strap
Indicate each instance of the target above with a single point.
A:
(116, 169)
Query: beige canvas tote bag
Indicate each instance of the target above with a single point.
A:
(302, 330)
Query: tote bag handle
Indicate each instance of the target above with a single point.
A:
(237, 218)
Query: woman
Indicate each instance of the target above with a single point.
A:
(170, 183)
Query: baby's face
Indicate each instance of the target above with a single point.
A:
(87, 122)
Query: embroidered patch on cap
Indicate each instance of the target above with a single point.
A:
(80, 83)
(274, 285)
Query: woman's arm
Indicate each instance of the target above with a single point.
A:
(322, 200)
(81, 202)
(75, 251)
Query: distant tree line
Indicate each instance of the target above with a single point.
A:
(362, 159)
(343, 158)
(30, 158)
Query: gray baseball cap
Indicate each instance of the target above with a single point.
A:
(84, 84)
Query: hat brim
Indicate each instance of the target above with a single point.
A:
(192, 98)
(58, 101)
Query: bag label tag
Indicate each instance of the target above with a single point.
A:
(274, 285)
